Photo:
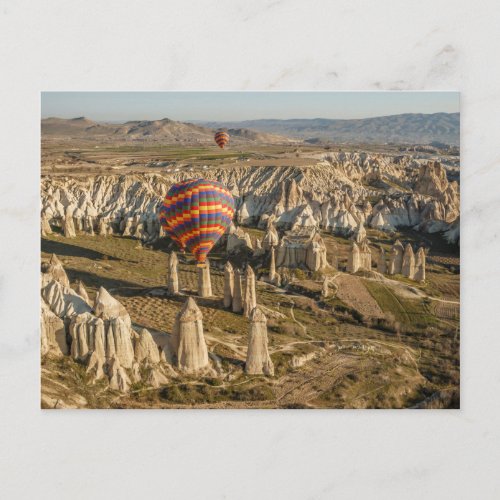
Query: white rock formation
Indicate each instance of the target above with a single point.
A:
(250, 300)
(272, 267)
(145, 348)
(396, 258)
(360, 233)
(68, 227)
(53, 333)
(365, 256)
(228, 284)
(81, 290)
(56, 270)
(63, 301)
(325, 291)
(118, 378)
(45, 225)
(192, 353)
(408, 264)
(354, 259)
(258, 361)
(237, 304)
(302, 247)
(381, 263)
(107, 307)
(420, 265)
(204, 281)
(327, 193)
(271, 238)
(173, 276)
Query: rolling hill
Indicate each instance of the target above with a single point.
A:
(404, 128)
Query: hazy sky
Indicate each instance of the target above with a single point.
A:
(228, 106)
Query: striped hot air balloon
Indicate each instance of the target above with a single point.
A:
(197, 212)
(221, 138)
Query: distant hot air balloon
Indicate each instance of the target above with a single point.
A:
(221, 138)
(197, 212)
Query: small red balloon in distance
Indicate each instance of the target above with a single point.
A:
(221, 138)
(195, 214)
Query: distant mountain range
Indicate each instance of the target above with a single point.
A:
(405, 128)
(165, 131)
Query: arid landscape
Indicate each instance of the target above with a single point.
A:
(336, 286)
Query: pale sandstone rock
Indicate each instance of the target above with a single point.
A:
(107, 307)
(63, 301)
(272, 267)
(250, 300)
(237, 304)
(68, 227)
(87, 336)
(119, 341)
(45, 225)
(354, 259)
(258, 360)
(396, 258)
(408, 264)
(146, 348)
(420, 265)
(173, 276)
(360, 233)
(228, 284)
(56, 270)
(192, 353)
(324, 288)
(204, 281)
(381, 263)
(80, 290)
(118, 378)
(365, 256)
(53, 333)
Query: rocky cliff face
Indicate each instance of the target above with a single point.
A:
(334, 193)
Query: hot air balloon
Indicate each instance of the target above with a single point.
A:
(197, 212)
(221, 138)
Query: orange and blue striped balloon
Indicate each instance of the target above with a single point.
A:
(221, 138)
(197, 212)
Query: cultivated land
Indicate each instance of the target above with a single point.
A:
(376, 341)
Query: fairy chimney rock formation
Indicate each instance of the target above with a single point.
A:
(420, 265)
(204, 282)
(396, 258)
(271, 238)
(354, 260)
(44, 225)
(228, 284)
(381, 264)
(408, 265)
(56, 270)
(325, 288)
(272, 267)
(365, 256)
(258, 361)
(360, 233)
(107, 307)
(118, 378)
(145, 348)
(250, 300)
(80, 290)
(192, 353)
(237, 292)
(68, 227)
(173, 277)
(53, 333)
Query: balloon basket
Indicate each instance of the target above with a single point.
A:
(202, 265)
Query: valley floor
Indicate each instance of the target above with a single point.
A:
(374, 343)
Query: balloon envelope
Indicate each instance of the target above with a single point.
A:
(197, 212)
(221, 138)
